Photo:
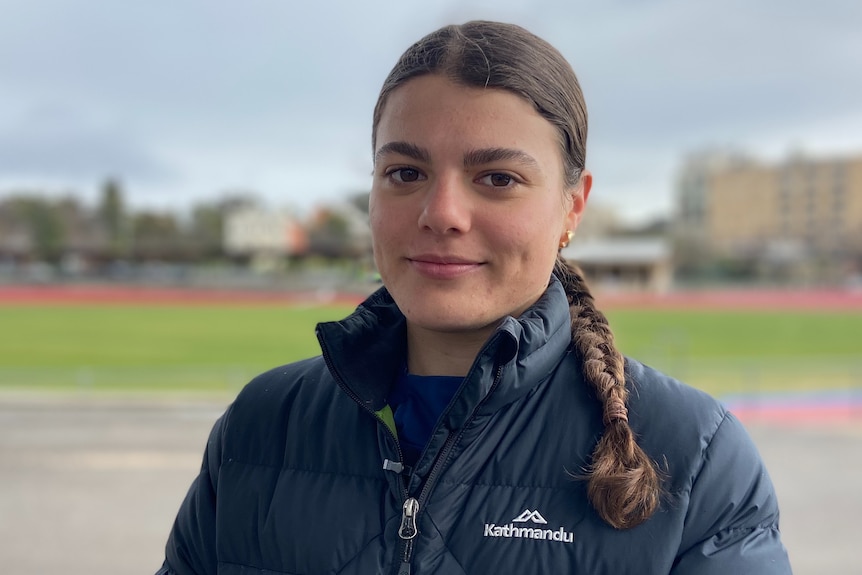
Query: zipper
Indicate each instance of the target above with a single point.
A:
(409, 528)
(443, 456)
(412, 507)
(408, 532)
(404, 568)
(407, 521)
(407, 546)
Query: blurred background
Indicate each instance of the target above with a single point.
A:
(183, 195)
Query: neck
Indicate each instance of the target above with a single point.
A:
(443, 353)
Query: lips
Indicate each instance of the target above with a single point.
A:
(436, 266)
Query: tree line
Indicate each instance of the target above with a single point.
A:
(35, 227)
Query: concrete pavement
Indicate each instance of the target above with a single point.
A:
(90, 485)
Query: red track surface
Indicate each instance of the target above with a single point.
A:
(800, 408)
(849, 414)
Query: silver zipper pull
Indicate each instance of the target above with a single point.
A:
(408, 519)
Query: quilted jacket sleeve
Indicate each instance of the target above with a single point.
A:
(732, 520)
(191, 547)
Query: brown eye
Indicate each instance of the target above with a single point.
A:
(407, 175)
(500, 180)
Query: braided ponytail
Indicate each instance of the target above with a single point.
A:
(624, 485)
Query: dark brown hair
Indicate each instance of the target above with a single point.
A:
(494, 55)
(624, 485)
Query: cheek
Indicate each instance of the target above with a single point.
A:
(376, 216)
(534, 245)
(535, 238)
(386, 229)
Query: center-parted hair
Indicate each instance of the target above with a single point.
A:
(624, 485)
(496, 55)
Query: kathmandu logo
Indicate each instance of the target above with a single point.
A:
(528, 515)
(511, 531)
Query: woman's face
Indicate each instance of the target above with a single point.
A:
(468, 204)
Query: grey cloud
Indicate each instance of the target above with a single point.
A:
(676, 70)
(293, 84)
(56, 143)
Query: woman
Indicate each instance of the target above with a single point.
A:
(474, 416)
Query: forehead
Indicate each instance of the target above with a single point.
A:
(434, 111)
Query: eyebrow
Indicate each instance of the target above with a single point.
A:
(472, 158)
(484, 156)
(403, 149)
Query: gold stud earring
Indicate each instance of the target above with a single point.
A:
(565, 242)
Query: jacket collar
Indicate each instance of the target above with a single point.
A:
(366, 350)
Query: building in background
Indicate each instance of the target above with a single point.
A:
(619, 257)
(800, 219)
(258, 233)
(613, 264)
(340, 230)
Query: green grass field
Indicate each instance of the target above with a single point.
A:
(216, 349)
(729, 352)
(204, 348)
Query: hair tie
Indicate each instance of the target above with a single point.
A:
(616, 411)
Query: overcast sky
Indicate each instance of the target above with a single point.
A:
(183, 100)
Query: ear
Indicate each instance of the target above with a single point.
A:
(578, 199)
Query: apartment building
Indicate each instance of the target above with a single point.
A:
(799, 210)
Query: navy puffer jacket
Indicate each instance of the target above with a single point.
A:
(302, 475)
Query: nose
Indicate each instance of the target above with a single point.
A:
(446, 206)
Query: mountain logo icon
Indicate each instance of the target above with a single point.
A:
(528, 515)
